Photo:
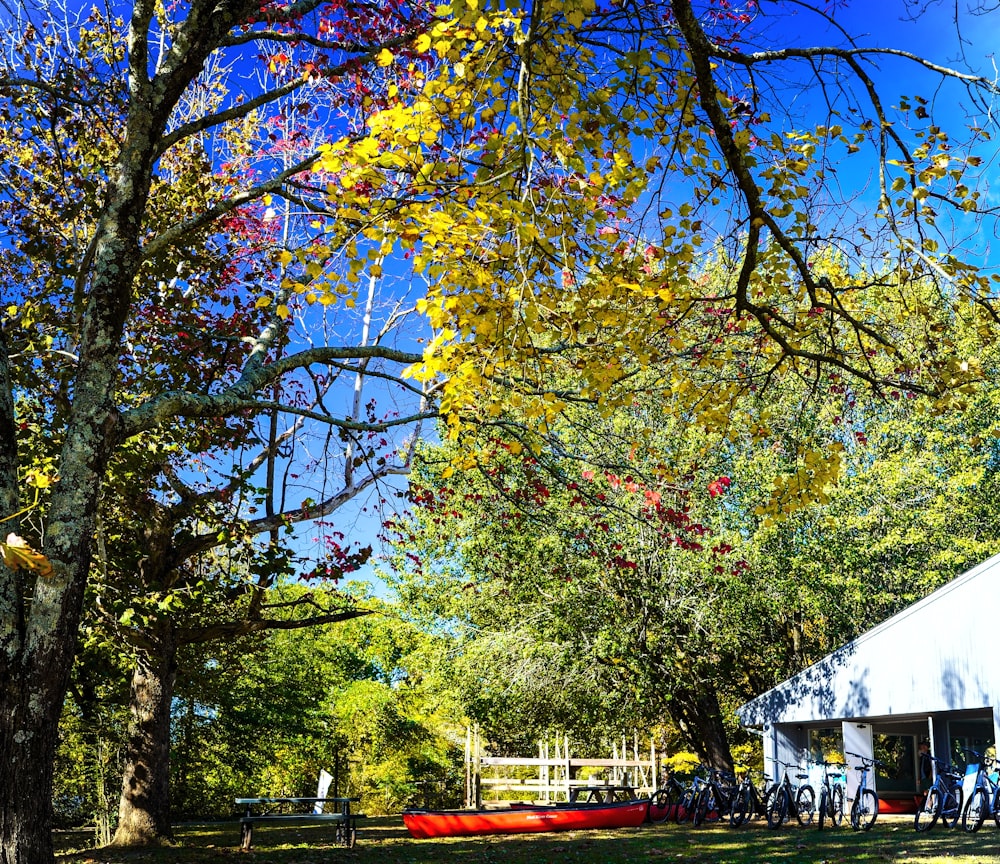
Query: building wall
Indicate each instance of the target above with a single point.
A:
(936, 656)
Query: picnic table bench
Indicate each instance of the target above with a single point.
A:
(289, 810)
(601, 794)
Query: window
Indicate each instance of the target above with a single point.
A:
(899, 753)
(826, 745)
(965, 735)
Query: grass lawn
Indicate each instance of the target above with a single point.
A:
(384, 841)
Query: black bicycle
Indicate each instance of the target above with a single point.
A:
(943, 800)
(831, 795)
(715, 799)
(788, 801)
(664, 801)
(749, 802)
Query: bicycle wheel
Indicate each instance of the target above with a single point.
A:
(765, 800)
(836, 805)
(805, 804)
(699, 807)
(951, 807)
(660, 803)
(706, 807)
(865, 810)
(824, 806)
(715, 805)
(739, 814)
(929, 811)
(975, 811)
(996, 807)
(685, 806)
(777, 812)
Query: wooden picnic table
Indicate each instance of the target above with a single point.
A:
(601, 794)
(286, 810)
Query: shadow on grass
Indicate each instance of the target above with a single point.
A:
(384, 840)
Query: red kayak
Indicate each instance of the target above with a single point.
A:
(463, 823)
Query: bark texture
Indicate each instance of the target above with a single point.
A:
(696, 710)
(144, 809)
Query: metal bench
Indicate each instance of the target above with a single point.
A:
(345, 820)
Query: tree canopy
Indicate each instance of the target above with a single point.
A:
(548, 180)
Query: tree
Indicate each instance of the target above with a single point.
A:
(502, 197)
(41, 614)
(734, 175)
(410, 175)
(687, 601)
(592, 582)
(266, 715)
(192, 488)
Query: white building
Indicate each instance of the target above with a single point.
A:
(931, 672)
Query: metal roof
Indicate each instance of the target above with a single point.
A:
(938, 654)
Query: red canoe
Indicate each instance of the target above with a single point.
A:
(462, 823)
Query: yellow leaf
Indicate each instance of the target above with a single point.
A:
(385, 57)
(283, 312)
(422, 43)
(17, 554)
(262, 302)
(40, 480)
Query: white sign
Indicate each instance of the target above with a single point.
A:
(325, 779)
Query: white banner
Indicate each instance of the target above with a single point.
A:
(325, 779)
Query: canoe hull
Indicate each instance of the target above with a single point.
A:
(423, 824)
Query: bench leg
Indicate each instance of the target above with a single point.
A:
(246, 836)
(346, 833)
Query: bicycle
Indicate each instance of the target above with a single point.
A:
(715, 799)
(943, 800)
(984, 798)
(685, 807)
(864, 808)
(664, 801)
(750, 802)
(831, 795)
(788, 801)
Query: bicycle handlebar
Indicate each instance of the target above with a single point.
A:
(866, 761)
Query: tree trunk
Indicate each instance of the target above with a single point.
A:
(144, 808)
(40, 616)
(696, 710)
(28, 740)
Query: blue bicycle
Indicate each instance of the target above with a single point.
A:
(984, 798)
(864, 809)
(943, 800)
